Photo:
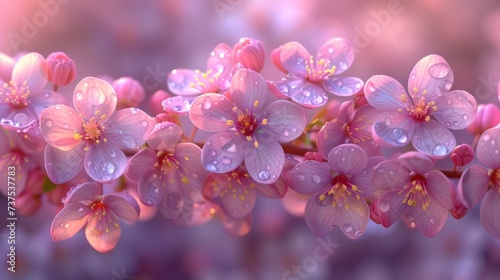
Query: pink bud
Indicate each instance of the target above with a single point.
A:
(155, 101)
(275, 58)
(462, 155)
(163, 117)
(62, 69)
(250, 53)
(374, 216)
(487, 116)
(28, 204)
(129, 91)
(313, 156)
(458, 210)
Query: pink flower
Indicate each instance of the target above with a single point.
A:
(85, 205)
(22, 99)
(247, 129)
(129, 92)
(62, 69)
(487, 116)
(409, 188)
(479, 183)
(309, 78)
(93, 134)
(250, 53)
(462, 155)
(170, 174)
(337, 191)
(408, 115)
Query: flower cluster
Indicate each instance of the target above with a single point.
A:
(359, 151)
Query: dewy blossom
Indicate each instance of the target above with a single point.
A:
(337, 191)
(309, 77)
(23, 98)
(425, 114)
(85, 205)
(93, 135)
(409, 188)
(247, 129)
(483, 183)
(169, 174)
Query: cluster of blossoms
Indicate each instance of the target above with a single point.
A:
(315, 133)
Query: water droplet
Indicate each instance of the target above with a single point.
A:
(144, 123)
(111, 153)
(318, 99)
(447, 123)
(306, 93)
(391, 172)
(342, 65)
(133, 110)
(399, 135)
(286, 133)
(331, 50)
(95, 96)
(412, 225)
(80, 209)
(120, 133)
(465, 117)
(316, 179)
(207, 103)
(213, 153)
(109, 168)
(89, 163)
(264, 175)
(486, 137)
(66, 126)
(344, 160)
(225, 160)
(338, 82)
(301, 177)
(358, 233)
(347, 228)
(66, 226)
(210, 167)
(439, 70)
(384, 206)
(413, 76)
(79, 95)
(49, 123)
(439, 150)
(432, 221)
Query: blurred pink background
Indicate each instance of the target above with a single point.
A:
(147, 39)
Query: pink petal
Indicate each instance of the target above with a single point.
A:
(220, 59)
(103, 233)
(237, 227)
(181, 81)
(330, 136)
(249, 90)
(385, 93)
(364, 179)
(177, 105)
(310, 95)
(94, 97)
(69, 221)
(239, 201)
(59, 124)
(430, 221)
(173, 202)
(390, 174)
(47, 98)
(457, 110)
(129, 128)
(285, 121)
(278, 189)
(122, 205)
(33, 69)
(105, 162)
(390, 207)
(473, 185)
(393, 129)
(264, 161)
(223, 152)
(211, 112)
(417, 162)
(6, 65)
(433, 139)
(309, 177)
(488, 148)
(140, 163)
(151, 188)
(63, 166)
(338, 52)
(320, 215)
(347, 159)
(431, 73)
(293, 57)
(164, 136)
(438, 188)
(489, 212)
(343, 86)
(189, 157)
(352, 218)
(85, 193)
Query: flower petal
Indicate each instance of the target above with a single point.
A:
(151, 188)
(473, 185)
(320, 215)
(309, 177)
(210, 112)
(221, 60)
(489, 212)
(103, 234)
(94, 97)
(430, 221)
(278, 189)
(488, 148)
(58, 125)
(180, 82)
(385, 93)
(457, 110)
(390, 207)
(189, 157)
(364, 179)
(433, 74)
(343, 86)
(6, 65)
(249, 90)
(63, 166)
(310, 95)
(47, 98)
(140, 163)
(352, 217)
(223, 152)
(348, 159)
(330, 136)
(433, 139)
(173, 202)
(129, 128)
(85, 193)
(284, 120)
(122, 205)
(164, 136)
(69, 221)
(239, 201)
(417, 162)
(105, 162)
(338, 52)
(177, 105)
(438, 187)
(393, 129)
(265, 160)
(390, 174)
(32, 69)
(293, 57)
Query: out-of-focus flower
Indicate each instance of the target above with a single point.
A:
(22, 99)
(309, 78)
(409, 187)
(155, 101)
(93, 135)
(337, 193)
(479, 183)
(28, 204)
(462, 155)
(247, 129)
(250, 53)
(62, 69)
(129, 92)
(407, 116)
(85, 205)
(487, 116)
(6, 65)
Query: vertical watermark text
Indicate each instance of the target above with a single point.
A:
(11, 218)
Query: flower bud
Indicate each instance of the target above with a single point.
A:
(487, 116)
(250, 53)
(374, 216)
(462, 155)
(62, 69)
(156, 100)
(458, 210)
(129, 92)
(28, 204)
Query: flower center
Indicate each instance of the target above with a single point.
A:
(16, 96)
(207, 82)
(171, 167)
(99, 212)
(246, 124)
(418, 108)
(416, 191)
(495, 178)
(235, 179)
(318, 70)
(340, 190)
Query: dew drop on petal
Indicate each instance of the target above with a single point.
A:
(439, 150)
(109, 168)
(316, 179)
(486, 137)
(399, 135)
(49, 123)
(465, 117)
(344, 160)
(133, 110)
(358, 233)
(413, 76)
(207, 103)
(301, 177)
(347, 228)
(96, 96)
(286, 133)
(439, 70)
(225, 160)
(79, 95)
(432, 221)
(111, 153)
(264, 175)
(210, 167)
(66, 226)
(46, 94)
(80, 209)
(384, 206)
(342, 65)
(144, 123)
